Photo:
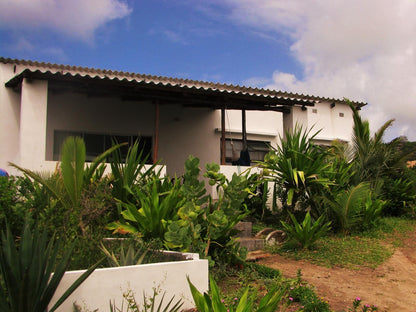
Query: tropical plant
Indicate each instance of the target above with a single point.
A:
(400, 196)
(372, 211)
(371, 157)
(74, 176)
(213, 302)
(307, 233)
(27, 282)
(153, 206)
(76, 191)
(297, 167)
(347, 206)
(205, 225)
(149, 304)
(129, 173)
(132, 256)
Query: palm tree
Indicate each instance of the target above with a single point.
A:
(371, 157)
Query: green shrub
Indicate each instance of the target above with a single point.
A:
(214, 303)
(307, 233)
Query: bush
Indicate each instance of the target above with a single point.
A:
(307, 233)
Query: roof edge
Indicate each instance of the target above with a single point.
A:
(89, 71)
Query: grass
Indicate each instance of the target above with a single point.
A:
(368, 249)
(299, 296)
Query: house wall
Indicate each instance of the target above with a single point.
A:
(9, 119)
(33, 113)
(184, 132)
(76, 111)
(260, 125)
(326, 120)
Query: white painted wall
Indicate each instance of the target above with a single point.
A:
(33, 111)
(9, 119)
(108, 284)
(327, 120)
(184, 132)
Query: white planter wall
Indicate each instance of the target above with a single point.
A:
(108, 284)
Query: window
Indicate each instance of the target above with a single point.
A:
(257, 150)
(314, 111)
(341, 114)
(96, 143)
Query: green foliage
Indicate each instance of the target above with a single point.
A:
(78, 201)
(127, 175)
(264, 271)
(351, 252)
(347, 206)
(132, 256)
(371, 156)
(356, 306)
(213, 303)
(153, 206)
(372, 211)
(149, 304)
(12, 208)
(26, 281)
(400, 196)
(305, 295)
(297, 167)
(307, 233)
(205, 225)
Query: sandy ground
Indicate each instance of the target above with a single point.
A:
(391, 286)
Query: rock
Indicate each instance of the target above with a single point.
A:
(275, 237)
(264, 232)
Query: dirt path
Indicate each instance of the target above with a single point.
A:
(391, 286)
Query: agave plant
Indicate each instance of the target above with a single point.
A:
(27, 282)
(128, 257)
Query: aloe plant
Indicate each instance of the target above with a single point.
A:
(128, 257)
(213, 303)
(27, 282)
(308, 232)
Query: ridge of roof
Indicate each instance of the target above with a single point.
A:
(54, 68)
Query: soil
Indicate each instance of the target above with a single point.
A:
(391, 286)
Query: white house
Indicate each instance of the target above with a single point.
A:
(42, 103)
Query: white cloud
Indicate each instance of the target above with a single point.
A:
(364, 50)
(75, 18)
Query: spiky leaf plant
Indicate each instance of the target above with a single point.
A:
(26, 268)
(308, 232)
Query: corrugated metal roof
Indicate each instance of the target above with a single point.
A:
(78, 71)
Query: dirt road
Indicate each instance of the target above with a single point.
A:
(391, 286)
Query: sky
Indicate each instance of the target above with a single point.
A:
(362, 50)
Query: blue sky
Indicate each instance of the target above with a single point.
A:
(365, 51)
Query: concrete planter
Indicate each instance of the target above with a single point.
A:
(108, 284)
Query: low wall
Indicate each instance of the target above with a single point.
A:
(108, 284)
